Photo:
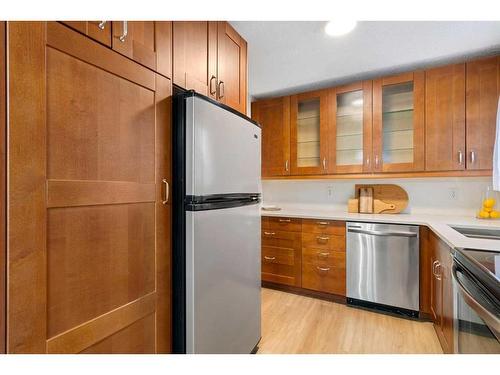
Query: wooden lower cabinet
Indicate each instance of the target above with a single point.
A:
(441, 296)
(281, 251)
(88, 234)
(304, 253)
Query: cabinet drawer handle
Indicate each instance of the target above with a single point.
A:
(323, 269)
(322, 223)
(269, 233)
(166, 191)
(213, 91)
(221, 89)
(269, 258)
(322, 238)
(101, 25)
(324, 254)
(125, 32)
(284, 220)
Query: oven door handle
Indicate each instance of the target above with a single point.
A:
(382, 233)
(492, 321)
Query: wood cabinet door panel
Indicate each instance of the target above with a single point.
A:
(341, 127)
(163, 47)
(193, 45)
(319, 154)
(323, 241)
(90, 265)
(388, 119)
(278, 255)
(483, 90)
(323, 278)
(323, 227)
(138, 43)
(274, 118)
(231, 67)
(445, 118)
(282, 224)
(97, 30)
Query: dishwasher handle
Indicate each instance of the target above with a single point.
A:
(382, 233)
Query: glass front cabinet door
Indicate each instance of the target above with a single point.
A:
(308, 133)
(398, 123)
(350, 128)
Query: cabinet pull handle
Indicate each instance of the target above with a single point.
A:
(323, 269)
(472, 157)
(221, 91)
(324, 164)
(213, 91)
(438, 273)
(166, 192)
(434, 268)
(269, 258)
(460, 157)
(286, 165)
(269, 233)
(376, 161)
(284, 220)
(368, 161)
(322, 222)
(125, 32)
(324, 254)
(101, 25)
(322, 238)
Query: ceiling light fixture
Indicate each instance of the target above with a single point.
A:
(339, 27)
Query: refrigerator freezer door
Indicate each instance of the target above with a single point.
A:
(222, 151)
(223, 280)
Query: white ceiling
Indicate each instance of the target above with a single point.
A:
(288, 57)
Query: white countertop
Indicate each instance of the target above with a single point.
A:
(439, 224)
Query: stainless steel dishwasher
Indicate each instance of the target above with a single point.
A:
(383, 267)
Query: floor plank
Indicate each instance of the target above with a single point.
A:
(293, 324)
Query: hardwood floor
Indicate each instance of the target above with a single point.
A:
(297, 324)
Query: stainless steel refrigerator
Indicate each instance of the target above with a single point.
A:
(216, 228)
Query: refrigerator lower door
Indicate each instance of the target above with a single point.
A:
(223, 280)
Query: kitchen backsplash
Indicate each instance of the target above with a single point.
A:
(453, 196)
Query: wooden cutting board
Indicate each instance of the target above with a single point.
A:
(388, 194)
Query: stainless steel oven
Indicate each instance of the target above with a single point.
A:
(476, 288)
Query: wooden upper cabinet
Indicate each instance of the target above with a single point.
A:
(350, 128)
(231, 67)
(136, 40)
(309, 133)
(482, 92)
(97, 30)
(195, 56)
(398, 123)
(163, 47)
(273, 115)
(445, 118)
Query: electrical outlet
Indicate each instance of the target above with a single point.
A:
(329, 192)
(453, 193)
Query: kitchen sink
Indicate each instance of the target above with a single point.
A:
(483, 233)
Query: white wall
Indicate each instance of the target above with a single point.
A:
(427, 195)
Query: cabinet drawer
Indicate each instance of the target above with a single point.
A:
(323, 227)
(278, 255)
(282, 223)
(323, 278)
(324, 257)
(323, 241)
(281, 239)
